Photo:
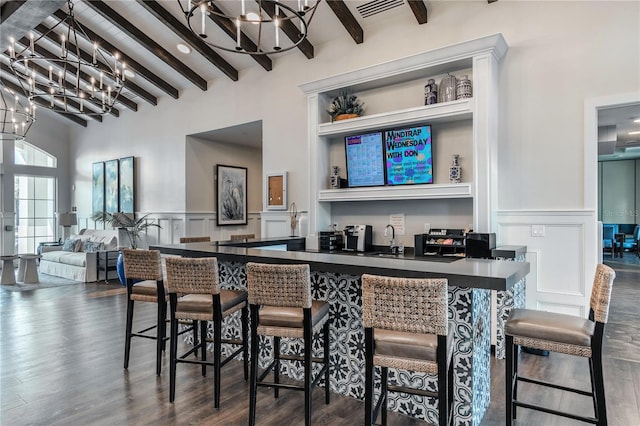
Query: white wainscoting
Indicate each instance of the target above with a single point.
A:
(277, 223)
(563, 260)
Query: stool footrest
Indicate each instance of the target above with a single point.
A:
(555, 412)
(413, 391)
(553, 385)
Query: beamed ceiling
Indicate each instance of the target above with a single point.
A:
(145, 33)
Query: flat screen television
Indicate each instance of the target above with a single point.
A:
(365, 159)
(408, 155)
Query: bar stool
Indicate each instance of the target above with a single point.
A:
(195, 294)
(143, 270)
(8, 269)
(281, 306)
(405, 326)
(566, 334)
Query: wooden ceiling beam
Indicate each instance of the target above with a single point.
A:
(16, 88)
(419, 10)
(147, 42)
(183, 32)
(349, 22)
(88, 58)
(289, 28)
(246, 43)
(140, 69)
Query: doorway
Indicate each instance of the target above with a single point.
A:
(35, 211)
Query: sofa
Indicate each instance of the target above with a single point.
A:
(76, 259)
(630, 241)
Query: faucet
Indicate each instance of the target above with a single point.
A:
(394, 248)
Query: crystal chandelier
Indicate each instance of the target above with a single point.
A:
(16, 119)
(69, 80)
(275, 25)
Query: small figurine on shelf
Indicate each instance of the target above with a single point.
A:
(430, 92)
(447, 91)
(455, 173)
(463, 88)
(335, 177)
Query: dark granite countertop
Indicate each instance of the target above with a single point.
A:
(465, 272)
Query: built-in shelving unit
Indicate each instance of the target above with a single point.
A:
(479, 58)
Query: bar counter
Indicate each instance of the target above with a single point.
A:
(335, 277)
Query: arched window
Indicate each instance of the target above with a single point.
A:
(29, 155)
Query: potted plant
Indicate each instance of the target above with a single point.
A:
(132, 226)
(345, 105)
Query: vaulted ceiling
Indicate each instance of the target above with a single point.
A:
(145, 34)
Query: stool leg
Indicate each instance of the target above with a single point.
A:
(159, 337)
(368, 377)
(384, 376)
(599, 388)
(276, 365)
(245, 341)
(327, 388)
(194, 331)
(508, 379)
(443, 387)
(203, 346)
(217, 348)
(173, 349)
(127, 336)
(308, 370)
(253, 385)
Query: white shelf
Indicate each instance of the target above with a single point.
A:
(406, 192)
(429, 114)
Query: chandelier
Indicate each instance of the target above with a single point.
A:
(67, 79)
(275, 25)
(16, 119)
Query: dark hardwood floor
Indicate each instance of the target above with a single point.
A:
(62, 352)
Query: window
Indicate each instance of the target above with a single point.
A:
(29, 155)
(35, 201)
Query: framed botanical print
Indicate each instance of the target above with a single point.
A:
(126, 193)
(231, 195)
(97, 187)
(111, 186)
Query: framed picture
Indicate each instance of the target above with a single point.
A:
(275, 191)
(231, 195)
(97, 187)
(111, 186)
(126, 192)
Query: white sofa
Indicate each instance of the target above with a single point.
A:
(77, 265)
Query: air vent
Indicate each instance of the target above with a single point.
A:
(377, 6)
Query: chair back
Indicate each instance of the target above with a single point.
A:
(607, 232)
(192, 275)
(142, 264)
(636, 233)
(405, 304)
(601, 293)
(184, 240)
(279, 285)
(238, 237)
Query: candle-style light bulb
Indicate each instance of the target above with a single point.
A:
(109, 95)
(276, 22)
(81, 102)
(50, 75)
(124, 66)
(244, 13)
(101, 77)
(238, 47)
(12, 48)
(62, 47)
(60, 78)
(33, 51)
(95, 52)
(203, 9)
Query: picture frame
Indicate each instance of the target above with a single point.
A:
(275, 191)
(231, 195)
(111, 199)
(97, 187)
(126, 192)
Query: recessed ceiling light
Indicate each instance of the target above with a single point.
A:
(637, 132)
(129, 73)
(184, 48)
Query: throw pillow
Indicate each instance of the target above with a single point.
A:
(69, 245)
(92, 246)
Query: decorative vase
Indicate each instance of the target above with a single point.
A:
(455, 173)
(430, 92)
(120, 269)
(463, 88)
(346, 116)
(334, 178)
(447, 90)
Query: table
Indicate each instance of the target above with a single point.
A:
(336, 279)
(106, 261)
(28, 268)
(618, 245)
(8, 269)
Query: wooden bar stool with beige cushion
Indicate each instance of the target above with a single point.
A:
(566, 334)
(184, 240)
(143, 270)
(405, 326)
(281, 306)
(195, 294)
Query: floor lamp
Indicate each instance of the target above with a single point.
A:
(67, 220)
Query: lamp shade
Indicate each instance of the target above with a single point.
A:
(67, 219)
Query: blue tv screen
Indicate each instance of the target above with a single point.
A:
(365, 160)
(408, 155)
